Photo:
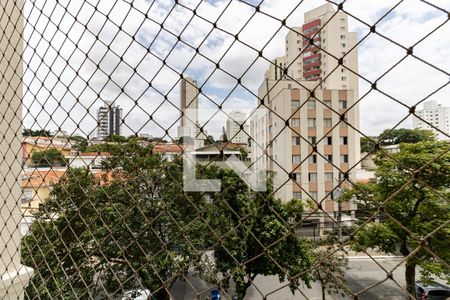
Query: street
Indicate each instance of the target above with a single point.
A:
(362, 273)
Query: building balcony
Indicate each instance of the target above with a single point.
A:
(311, 57)
(307, 67)
(312, 72)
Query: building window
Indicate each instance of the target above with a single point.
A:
(311, 104)
(342, 104)
(343, 124)
(270, 129)
(344, 159)
(327, 123)
(313, 195)
(342, 28)
(297, 195)
(343, 45)
(327, 103)
(295, 122)
(296, 159)
(289, 86)
(312, 177)
(311, 122)
(344, 140)
(342, 37)
(329, 140)
(313, 159)
(312, 139)
(295, 140)
(330, 158)
(296, 177)
(342, 70)
(328, 176)
(295, 103)
(343, 78)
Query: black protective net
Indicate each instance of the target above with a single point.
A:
(199, 149)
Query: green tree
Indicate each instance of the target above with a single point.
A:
(31, 132)
(118, 232)
(411, 193)
(81, 143)
(48, 157)
(210, 140)
(367, 144)
(403, 135)
(329, 271)
(116, 139)
(253, 223)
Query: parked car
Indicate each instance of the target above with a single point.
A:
(432, 291)
(215, 295)
(139, 294)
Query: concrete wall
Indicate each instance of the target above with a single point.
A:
(13, 275)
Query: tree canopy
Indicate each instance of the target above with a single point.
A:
(253, 223)
(40, 132)
(48, 157)
(134, 227)
(396, 136)
(410, 197)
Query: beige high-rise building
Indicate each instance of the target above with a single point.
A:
(319, 61)
(310, 132)
(188, 101)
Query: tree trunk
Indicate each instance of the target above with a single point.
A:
(410, 269)
(323, 291)
(410, 277)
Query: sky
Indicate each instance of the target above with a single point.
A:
(78, 54)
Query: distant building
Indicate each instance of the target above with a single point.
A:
(217, 154)
(189, 123)
(109, 118)
(169, 151)
(188, 100)
(306, 61)
(145, 136)
(234, 132)
(32, 144)
(434, 117)
(36, 188)
(90, 160)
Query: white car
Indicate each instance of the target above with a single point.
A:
(140, 294)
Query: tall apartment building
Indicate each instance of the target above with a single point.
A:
(109, 118)
(188, 101)
(438, 118)
(309, 143)
(331, 41)
(233, 127)
(189, 123)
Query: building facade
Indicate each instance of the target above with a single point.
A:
(234, 132)
(434, 117)
(109, 120)
(311, 142)
(313, 50)
(188, 107)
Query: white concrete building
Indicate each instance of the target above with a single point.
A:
(301, 172)
(332, 41)
(434, 117)
(234, 132)
(109, 118)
